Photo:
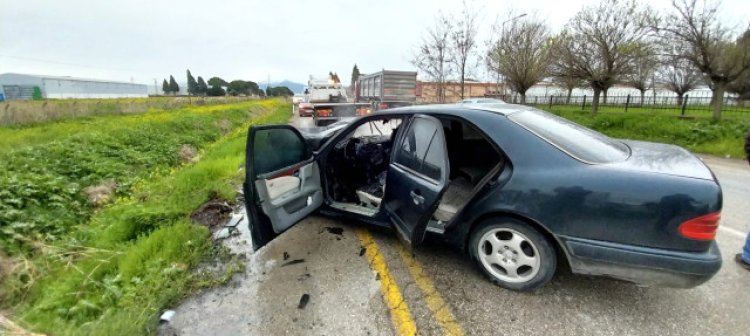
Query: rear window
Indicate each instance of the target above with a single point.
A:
(577, 141)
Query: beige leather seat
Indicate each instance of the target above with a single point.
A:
(454, 198)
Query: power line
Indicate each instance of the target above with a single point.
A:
(64, 63)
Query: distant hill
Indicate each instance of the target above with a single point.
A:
(294, 86)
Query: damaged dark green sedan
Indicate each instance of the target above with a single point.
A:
(519, 190)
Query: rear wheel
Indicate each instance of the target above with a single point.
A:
(513, 254)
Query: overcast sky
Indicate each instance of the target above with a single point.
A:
(141, 40)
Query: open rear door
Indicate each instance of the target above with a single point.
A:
(417, 177)
(282, 181)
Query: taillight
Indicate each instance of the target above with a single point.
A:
(324, 113)
(363, 111)
(701, 228)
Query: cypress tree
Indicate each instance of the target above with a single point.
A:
(202, 87)
(173, 87)
(192, 85)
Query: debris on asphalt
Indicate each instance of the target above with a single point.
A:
(230, 228)
(334, 230)
(362, 251)
(236, 219)
(167, 316)
(222, 234)
(295, 261)
(304, 277)
(286, 255)
(226, 232)
(303, 301)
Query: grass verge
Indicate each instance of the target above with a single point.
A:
(50, 175)
(29, 112)
(702, 135)
(113, 275)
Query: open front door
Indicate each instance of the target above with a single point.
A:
(282, 181)
(417, 177)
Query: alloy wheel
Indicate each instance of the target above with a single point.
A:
(508, 255)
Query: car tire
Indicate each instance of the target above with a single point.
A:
(513, 254)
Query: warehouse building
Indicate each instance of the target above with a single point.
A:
(15, 86)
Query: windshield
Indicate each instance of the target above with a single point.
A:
(340, 124)
(577, 141)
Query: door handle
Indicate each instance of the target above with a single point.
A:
(416, 197)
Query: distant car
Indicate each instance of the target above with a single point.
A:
(515, 187)
(298, 98)
(305, 109)
(482, 101)
(328, 113)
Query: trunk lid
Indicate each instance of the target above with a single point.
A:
(664, 159)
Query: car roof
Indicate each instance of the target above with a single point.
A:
(502, 109)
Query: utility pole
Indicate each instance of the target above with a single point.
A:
(653, 86)
(156, 88)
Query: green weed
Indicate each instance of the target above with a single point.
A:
(134, 257)
(42, 185)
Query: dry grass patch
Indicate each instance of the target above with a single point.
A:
(101, 193)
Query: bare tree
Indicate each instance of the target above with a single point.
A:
(599, 43)
(432, 56)
(741, 86)
(641, 76)
(521, 54)
(678, 75)
(567, 82)
(463, 42)
(708, 44)
(560, 76)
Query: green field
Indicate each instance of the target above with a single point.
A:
(699, 134)
(25, 112)
(691, 111)
(72, 267)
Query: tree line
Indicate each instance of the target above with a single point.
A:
(215, 87)
(610, 42)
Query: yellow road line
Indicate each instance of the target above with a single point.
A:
(439, 308)
(400, 314)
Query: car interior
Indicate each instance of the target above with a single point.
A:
(357, 166)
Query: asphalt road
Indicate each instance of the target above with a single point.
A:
(360, 282)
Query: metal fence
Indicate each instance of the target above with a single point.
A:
(687, 106)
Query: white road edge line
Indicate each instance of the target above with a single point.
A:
(732, 231)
